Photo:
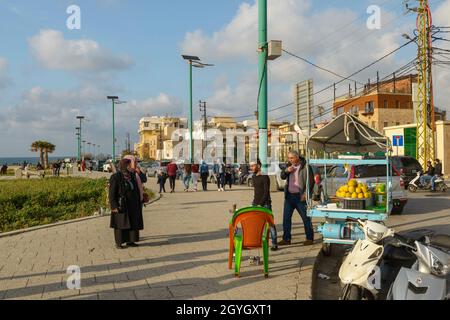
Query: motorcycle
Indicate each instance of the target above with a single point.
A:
(428, 278)
(415, 184)
(372, 265)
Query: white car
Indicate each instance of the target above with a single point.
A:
(108, 166)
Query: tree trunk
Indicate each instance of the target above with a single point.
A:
(41, 156)
(46, 160)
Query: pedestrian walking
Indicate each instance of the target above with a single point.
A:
(195, 176)
(162, 178)
(187, 176)
(229, 175)
(295, 193)
(172, 170)
(204, 173)
(126, 199)
(262, 198)
(219, 172)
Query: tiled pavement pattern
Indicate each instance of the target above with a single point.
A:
(183, 255)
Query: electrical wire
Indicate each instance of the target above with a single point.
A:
(317, 66)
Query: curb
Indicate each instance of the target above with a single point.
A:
(48, 226)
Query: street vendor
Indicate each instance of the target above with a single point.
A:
(296, 187)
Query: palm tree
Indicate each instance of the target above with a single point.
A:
(44, 148)
(48, 148)
(38, 146)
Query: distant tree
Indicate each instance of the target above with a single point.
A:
(49, 148)
(44, 148)
(39, 146)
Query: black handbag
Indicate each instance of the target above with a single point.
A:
(121, 220)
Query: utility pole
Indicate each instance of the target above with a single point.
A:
(426, 122)
(263, 80)
(205, 124)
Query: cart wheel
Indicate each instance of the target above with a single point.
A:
(326, 249)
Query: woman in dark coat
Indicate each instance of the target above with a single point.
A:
(126, 205)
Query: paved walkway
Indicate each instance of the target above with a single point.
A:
(183, 255)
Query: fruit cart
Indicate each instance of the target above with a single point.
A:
(354, 199)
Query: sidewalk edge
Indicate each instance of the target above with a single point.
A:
(48, 226)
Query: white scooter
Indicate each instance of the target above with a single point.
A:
(429, 277)
(415, 184)
(372, 265)
(360, 265)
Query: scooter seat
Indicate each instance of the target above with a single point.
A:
(442, 241)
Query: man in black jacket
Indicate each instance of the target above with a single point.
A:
(297, 186)
(437, 174)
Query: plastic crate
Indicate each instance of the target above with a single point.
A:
(354, 204)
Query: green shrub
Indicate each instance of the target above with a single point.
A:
(29, 203)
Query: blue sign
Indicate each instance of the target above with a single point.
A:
(398, 141)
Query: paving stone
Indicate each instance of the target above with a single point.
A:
(161, 293)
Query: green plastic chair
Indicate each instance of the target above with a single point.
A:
(255, 224)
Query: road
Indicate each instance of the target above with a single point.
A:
(183, 255)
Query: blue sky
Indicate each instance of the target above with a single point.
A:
(138, 43)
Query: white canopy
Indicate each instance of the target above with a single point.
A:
(347, 133)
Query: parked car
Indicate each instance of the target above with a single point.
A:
(152, 171)
(108, 166)
(408, 168)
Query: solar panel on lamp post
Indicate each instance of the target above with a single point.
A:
(195, 62)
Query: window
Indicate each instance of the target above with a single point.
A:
(355, 110)
(397, 104)
(146, 124)
(369, 107)
(397, 123)
(386, 104)
(386, 124)
(339, 110)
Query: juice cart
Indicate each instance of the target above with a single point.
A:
(348, 143)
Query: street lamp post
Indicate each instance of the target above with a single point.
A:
(89, 148)
(262, 97)
(193, 61)
(115, 101)
(80, 118)
(84, 149)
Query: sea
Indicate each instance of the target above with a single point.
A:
(31, 160)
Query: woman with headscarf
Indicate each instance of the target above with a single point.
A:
(126, 199)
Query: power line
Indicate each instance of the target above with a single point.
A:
(317, 66)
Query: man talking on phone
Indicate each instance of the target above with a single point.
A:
(295, 197)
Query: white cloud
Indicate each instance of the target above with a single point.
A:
(54, 52)
(161, 105)
(316, 35)
(51, 115)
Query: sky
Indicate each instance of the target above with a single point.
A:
(132, 48)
